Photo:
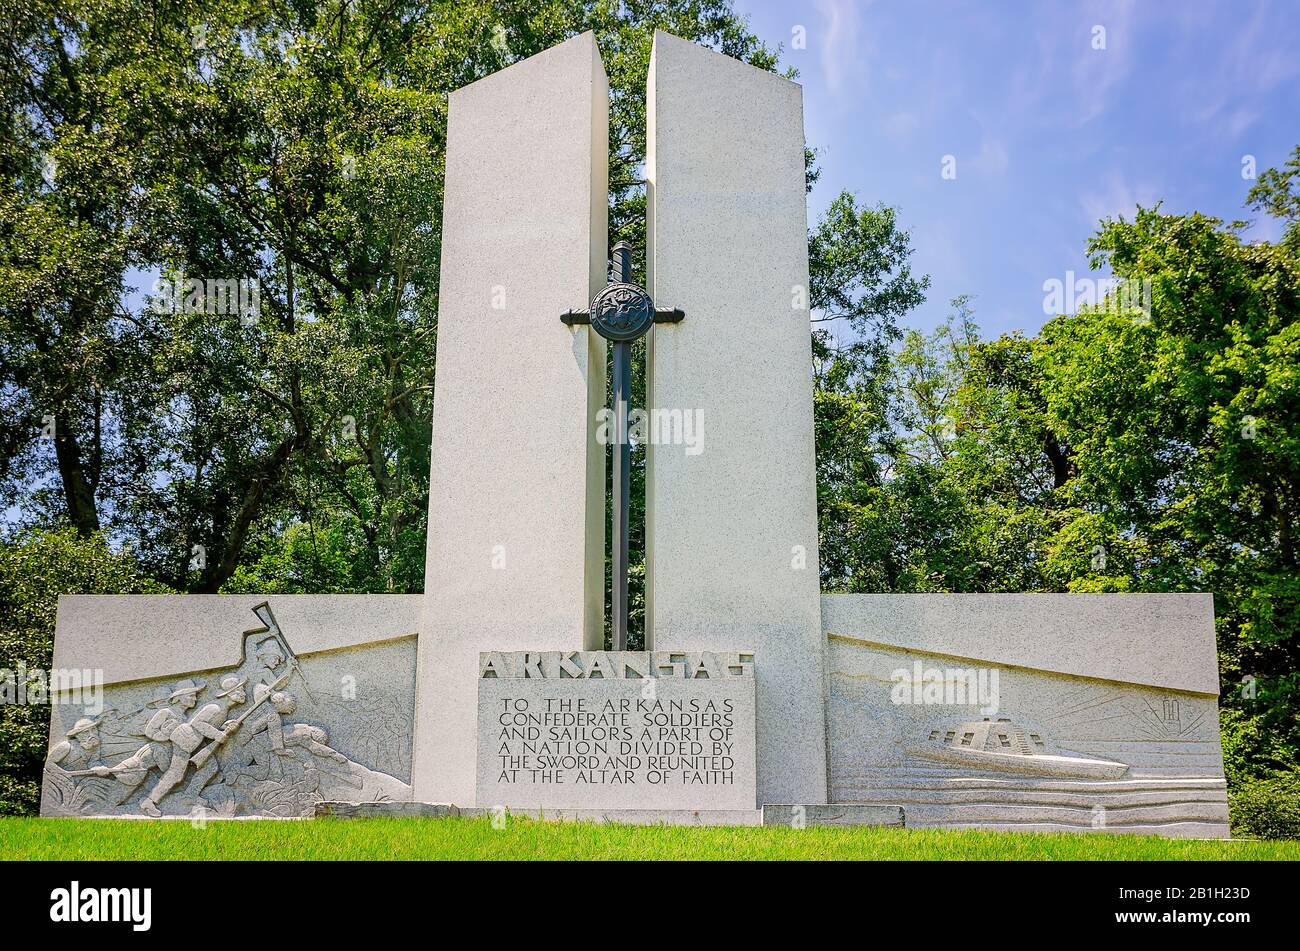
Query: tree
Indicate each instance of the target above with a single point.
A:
(859, 273)
(1184, 425)
(34, 570)
(297, 151)
(76, 156)
(952, 497)
(1278, 193)
(1148, 443)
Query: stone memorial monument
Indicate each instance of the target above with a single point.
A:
(757, 698)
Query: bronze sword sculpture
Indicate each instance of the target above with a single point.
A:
(621, 313)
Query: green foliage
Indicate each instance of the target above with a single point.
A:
(307, 559)
(1185, 430)
(1252, 749)
(859, 270)
(1266, 808)
(34, 570)
(1118, 450)
(921, 486)
(300, 147)
(287, 449)
(1278, 192)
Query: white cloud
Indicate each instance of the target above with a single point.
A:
(843, 52)
(1250, 67)
(1115, 198)
(1098, 73)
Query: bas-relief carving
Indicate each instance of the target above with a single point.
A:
(1001, 744)
(1058, 752)
(271, 737)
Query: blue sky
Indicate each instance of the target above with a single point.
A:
(1049, 134)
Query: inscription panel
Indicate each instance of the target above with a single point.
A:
(616, 730)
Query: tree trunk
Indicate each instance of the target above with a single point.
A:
(78, 491)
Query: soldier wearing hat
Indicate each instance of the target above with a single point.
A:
(80, 747)
(183, 697)
(186, 737)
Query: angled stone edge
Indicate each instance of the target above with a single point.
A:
(164, 635)
(726, 242)
(526, 212)
(662, 39)
(1157, 640)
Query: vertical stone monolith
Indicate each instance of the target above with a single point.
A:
(516, 495)
(732, 516)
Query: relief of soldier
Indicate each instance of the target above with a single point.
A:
(260, 748)
(185, 737)
(79, 748)
(231, 739)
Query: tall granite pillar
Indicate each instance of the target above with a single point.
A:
(516, 494)
(732, 523)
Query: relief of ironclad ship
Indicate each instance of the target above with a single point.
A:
(1000, 744)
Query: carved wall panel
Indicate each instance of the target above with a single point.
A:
(271, 736)
(1031, 750)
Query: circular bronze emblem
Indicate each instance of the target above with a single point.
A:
(622, 312)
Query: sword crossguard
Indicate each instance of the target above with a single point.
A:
(663, 315)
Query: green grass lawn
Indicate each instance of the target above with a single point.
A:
(528, 839)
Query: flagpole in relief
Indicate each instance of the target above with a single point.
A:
(621, 313)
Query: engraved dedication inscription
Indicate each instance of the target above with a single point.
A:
(616, 730)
